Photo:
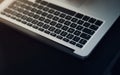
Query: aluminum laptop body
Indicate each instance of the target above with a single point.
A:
(84, 22)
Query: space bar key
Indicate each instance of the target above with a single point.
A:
(64, 10)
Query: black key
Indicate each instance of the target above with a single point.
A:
(74, 20)
(51, 11)
(44, 2)
(77, 33)
(80, 22)
(61, 9)
(36, 16)
(82, 41)
(19, 15)
(73, 25)
(71, 30)
(40, 7)
(63, 33)
(67, 23)
(25, 12)
(88, 31)
(40, 24)
(59, 25)
(41, 18)
(53, 34)
(38, 1)
(45, 9)
(56, 13)
(72, 42)
(47, 21)
(94, 27)
(76, 39)
(62, 15)
(59, 37)
(92, 20)
(53, 23)
(34, 22)
(57, 31)
(46, 26)
(47, 32)
(64, 28)
(24, 22)
(50, 16)
(29, 19)
(29, 2)
(68, 17)
(31, 14)
(79, 45)
(78, 15)
(56, 18)
(86, 24)
(51, 29)
(24, 17)
(98, 23)
(44, 14)
(85, 36)
(29, 24)
(35, 5)
(61, 21)
(34, 10)
(70, 36)
(86, 18)
(79, 28)
(65, 39)
(39, 12)
(34, 26)
(41, 29)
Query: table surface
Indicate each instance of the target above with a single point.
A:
(21, 54)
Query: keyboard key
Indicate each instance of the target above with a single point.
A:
(67, 23)
(74, 20)
(82, 41)
(70, 36)
(41, 18)
(78, 15)
(64, 10)
(40, 24)
(63, 33)
(72, 42)
(92, 20)
(98, 23)
(86, 24)
(85, 36)
(46, 26)
(47, 21)
(86, 18)
(94, 27)
(51, 28)
(59, 25)
(45, 9)
(61, 21)
(51, 11)
(34, 22)
(50, 16)
(53, 23)
(62, 15)
(41, 29)
(68, 17)
(53, 34)
(44, 14)
(44, 2)
(79, 28)
(76, 39)
(71, 30)
(64, 28)
(73, 25)
(80, 22)
(59, 37)
(56, 13)
(57, 31)
(56, 18)
(39, 12)
(65, 39)
(47, 32)
(77, 33)
(88, 31)
(79, 45)
(34, 26)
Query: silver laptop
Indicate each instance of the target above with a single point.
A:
(74, 26)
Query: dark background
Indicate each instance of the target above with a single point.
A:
(21, 54)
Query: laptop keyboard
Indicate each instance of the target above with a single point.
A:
(64, 24)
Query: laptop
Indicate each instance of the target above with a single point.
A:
(73, 26)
